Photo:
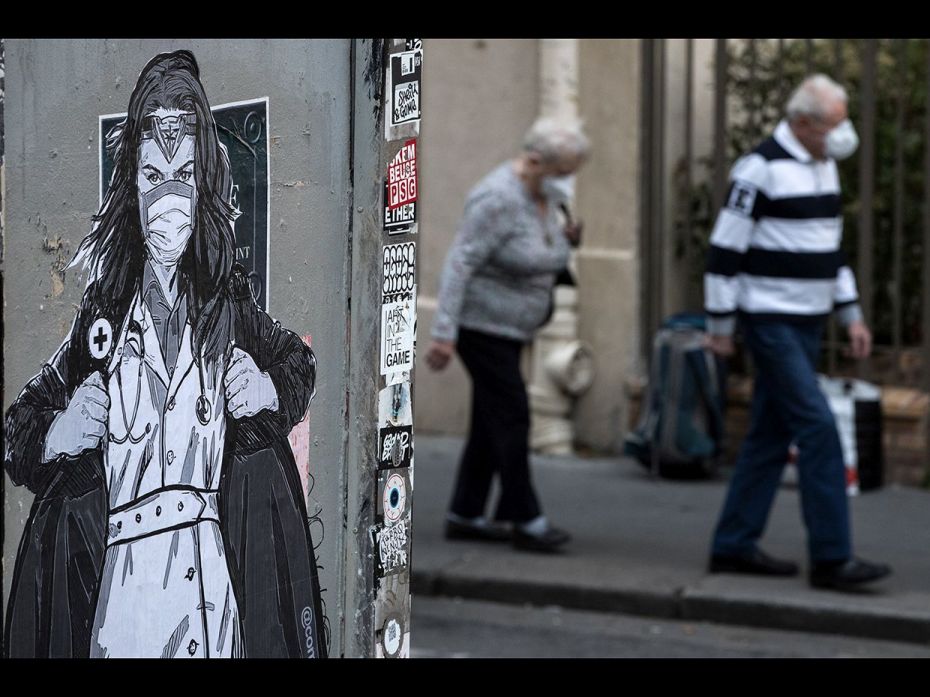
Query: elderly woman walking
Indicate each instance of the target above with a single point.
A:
(495, 292)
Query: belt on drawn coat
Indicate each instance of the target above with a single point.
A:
(171, 508)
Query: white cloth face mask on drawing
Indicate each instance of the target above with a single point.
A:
(166, 199)
(168, 221)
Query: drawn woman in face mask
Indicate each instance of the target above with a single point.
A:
(169, 508)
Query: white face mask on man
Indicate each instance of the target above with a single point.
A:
(559, 188)
(842, 141)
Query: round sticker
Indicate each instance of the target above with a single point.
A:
(392, 636)
(394, 498)
(100, 338)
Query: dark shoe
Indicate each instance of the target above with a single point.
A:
(756, 562)
(549, 541)
(490, 532)
(847, 575)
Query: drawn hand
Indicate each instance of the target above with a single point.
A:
(248, 390)
(83, 423)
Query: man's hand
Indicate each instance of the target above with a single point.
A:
(861, 339)
(439, 354)
(721, 345)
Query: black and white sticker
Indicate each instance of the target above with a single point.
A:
(399, 265)
(395, 447)
(394, 498)
(398, 331)
(392, 635)
(392, 547)
(403, 94)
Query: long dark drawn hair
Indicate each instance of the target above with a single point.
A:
(114, 252)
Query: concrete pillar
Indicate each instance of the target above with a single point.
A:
(608, 260)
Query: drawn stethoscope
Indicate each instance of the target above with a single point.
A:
(202, 408)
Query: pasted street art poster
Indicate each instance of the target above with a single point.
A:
(395, 427)
(168, 501)
(398, 331)
(400, 191)
(398, 311)
(403, 92)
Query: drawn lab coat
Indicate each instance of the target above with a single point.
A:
(165, 588)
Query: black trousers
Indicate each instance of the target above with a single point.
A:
(498, 439)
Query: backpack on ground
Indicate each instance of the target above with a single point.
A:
(680, 429)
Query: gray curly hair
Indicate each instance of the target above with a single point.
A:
(553, 139)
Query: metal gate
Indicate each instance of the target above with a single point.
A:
(886, 186)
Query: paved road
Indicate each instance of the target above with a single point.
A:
(455, 628)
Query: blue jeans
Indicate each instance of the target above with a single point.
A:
(787, 405)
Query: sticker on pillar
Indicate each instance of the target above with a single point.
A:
(242, 130)
(392, 606)
(400, 191)
(395, 447)
(398, 276)
(392, 547)
(395, 439)
(403, 94)
(394, 406)
(154, 405)
(413, 44)
(397, 336)
(394, 492)
(393, 641)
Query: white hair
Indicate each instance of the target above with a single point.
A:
(554, 139)
(813, 95)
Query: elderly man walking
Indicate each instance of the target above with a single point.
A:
(775, 264)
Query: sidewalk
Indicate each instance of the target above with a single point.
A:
(640, 546)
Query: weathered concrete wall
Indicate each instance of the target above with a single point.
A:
(55, 91)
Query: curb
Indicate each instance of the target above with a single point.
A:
(682, 604)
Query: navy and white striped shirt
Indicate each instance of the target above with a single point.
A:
(775, 249)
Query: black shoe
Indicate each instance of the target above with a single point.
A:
(756, 562)
(549, 541)
(847, 575)
(490, 532)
